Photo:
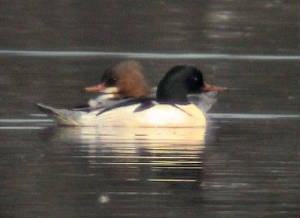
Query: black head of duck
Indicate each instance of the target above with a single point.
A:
(179, 82)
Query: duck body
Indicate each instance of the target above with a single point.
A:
(133, 115)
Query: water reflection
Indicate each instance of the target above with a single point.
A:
(97, 136)
(85, 172)
(148, 169)
(139, 154)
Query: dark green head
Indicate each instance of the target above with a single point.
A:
(178, 82)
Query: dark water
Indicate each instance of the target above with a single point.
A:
(242, 165)
(242, 168)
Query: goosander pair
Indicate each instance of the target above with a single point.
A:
(130, 106)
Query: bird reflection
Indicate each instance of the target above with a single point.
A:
(157, 156)
(96, 135)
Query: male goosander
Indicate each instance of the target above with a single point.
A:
(124, 80)
(171, 108)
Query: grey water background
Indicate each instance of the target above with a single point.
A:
(237, 168)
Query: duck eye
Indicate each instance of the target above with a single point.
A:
(195, 78)
(111, 81)
(194, 83)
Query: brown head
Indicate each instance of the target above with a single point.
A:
(124, 80)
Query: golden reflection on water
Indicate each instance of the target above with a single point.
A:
(149, 138)
(164, 155)
(170, 134)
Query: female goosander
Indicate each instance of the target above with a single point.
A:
(171, 108)
(124, 80)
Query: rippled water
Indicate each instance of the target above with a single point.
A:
(235, 168)
(245, 164)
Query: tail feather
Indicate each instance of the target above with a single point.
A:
(48, 109)
(62, 116)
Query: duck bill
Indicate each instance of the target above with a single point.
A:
(208, 88)
(103, 89)
(97, 88)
